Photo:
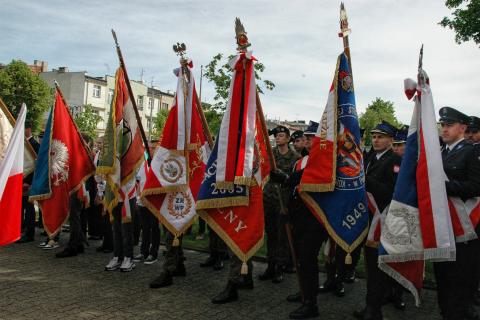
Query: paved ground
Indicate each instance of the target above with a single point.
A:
(36, 285)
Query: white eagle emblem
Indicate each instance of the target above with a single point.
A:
(59, 162)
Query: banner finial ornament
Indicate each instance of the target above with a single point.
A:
(241, 36)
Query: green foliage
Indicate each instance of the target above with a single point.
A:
(214, 118)
(377, 111)
(159, 122)
(18, 84)
(465, 20)
(87, 121)
(219, 72)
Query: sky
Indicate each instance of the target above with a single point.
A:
(297, 41)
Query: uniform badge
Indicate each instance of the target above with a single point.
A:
(59, 162)
(346, 81)
(396, 168)
(171, 170)
(179, 204)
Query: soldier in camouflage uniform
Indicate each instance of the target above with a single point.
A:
(277, 245)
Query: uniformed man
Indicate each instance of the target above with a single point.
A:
(461, 163)
(309, 134)
(277, 245)
(381, 169)
(173, 265)
(400, 140)
(298, 141)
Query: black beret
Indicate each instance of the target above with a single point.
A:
(295, 135)
(451, 115)
(385, 128)
(279, 129)
(311, 129)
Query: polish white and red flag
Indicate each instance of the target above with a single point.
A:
(418, 226)
(11, 182)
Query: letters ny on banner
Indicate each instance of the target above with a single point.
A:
(179, 163)
(230, 197)
(417, 225)
(333, 182)
(123, 150)
(63, 165)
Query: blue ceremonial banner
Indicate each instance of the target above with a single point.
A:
(41, 182)
(342, 208)
(210, 197)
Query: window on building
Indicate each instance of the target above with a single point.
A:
(97, 91)
(150, 103)
(110, 96)
(164, 105)
(140, 102)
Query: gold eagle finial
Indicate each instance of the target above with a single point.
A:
(241, 36)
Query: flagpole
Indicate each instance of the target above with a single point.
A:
(344, 32)
(85, 145)
(243, 43)
(132, 98)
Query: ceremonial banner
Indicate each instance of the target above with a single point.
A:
(230, 197)
(123, 150)
(417, 226)
(7, 122)
(333, 181)
(11, 182)
(179, 163)
(465, 217)
(63, 165)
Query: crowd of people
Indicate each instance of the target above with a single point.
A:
(457, 281)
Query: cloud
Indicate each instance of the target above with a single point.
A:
(296, 40)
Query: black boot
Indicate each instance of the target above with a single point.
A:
(398, 302)
(339, 289)
(247, 283)
(67, 252)
(268, 274)
(278, 274)
(230, 294)
(218, 265)
(327, 286)
(180, 271)
(296, 297)
(209, 262)
(307, 310)
(163, 280)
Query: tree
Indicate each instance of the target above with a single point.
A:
(465, 21)
(18, 84)
(376, 112)
(87, 121)
(159, 122)
(221, 75)
(213, 117)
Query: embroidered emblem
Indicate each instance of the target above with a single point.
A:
(346, 80)
(411, 223)
(179, 204)
(59, 162)
(171, 170)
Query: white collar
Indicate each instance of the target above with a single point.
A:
(379, 155)
(453, 145)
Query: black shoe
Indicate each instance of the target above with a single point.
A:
(327, 286)
(67, 252)
(278, 275)
(350, 276)
(218, 265)
(163, 280)
(230, 294)
(296, 297)
(268, 274)
(306, 311)
(247, 283)
(209, 262)
(180, 271)
(24, 239)
(368, 313)
(339, 289)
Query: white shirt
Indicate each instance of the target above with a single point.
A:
(379, 155)
(452, 146)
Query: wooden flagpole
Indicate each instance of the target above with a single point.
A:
(132, 97)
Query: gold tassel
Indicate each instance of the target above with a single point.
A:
(244, 269)
(348, 259)
(175, 242)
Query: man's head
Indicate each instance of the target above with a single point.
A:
(281, 134)
(310, 133)
(298, 140)
(382, 136)
(400, 140)
(28, 129)
(473, 130)
(454, 124)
